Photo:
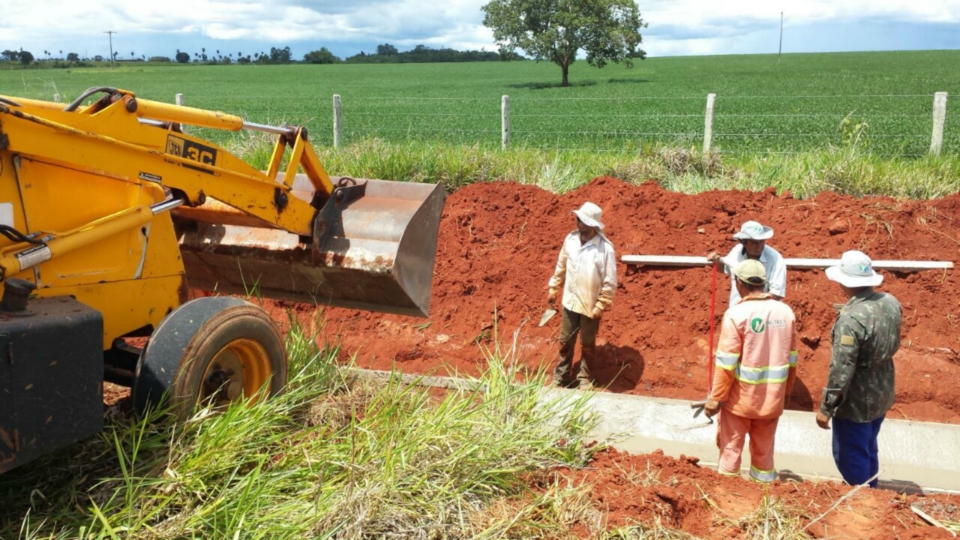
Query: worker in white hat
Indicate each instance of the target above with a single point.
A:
(860, 384)
(586, 271)
(753, 245)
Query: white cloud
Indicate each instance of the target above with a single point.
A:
(695, 13)
(676, 26)
(711, 27)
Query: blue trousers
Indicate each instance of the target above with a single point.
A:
(855, 450)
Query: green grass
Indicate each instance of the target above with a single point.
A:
(844, 170)
(761, 107)
(331, 457)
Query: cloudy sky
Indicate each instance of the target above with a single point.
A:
(676, 27)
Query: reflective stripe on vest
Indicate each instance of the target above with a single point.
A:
(793, 358)
(727, 360)
(772, 374)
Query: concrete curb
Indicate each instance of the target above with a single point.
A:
(914, 456)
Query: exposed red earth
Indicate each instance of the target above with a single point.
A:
(682, 495)
(499, 242)
(497, 248)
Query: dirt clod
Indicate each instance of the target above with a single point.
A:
(838, 226)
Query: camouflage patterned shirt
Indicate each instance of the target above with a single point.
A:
(860, 386)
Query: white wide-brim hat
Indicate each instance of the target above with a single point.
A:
(590, 215)
(855, 270)
(752, 230)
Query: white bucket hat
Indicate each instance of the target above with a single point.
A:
(590, 215)
(855, 270)
(752, 230)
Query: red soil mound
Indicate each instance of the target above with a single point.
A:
(640, 489)
(499, 242)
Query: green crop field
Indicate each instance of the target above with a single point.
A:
(761, 107)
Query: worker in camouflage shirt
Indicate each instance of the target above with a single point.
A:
(859, 389)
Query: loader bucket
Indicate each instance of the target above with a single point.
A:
(373, 248)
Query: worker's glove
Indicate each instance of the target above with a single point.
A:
(823, 420)
(713, 257)
(552, 297)
(596, 313)
(711, 408)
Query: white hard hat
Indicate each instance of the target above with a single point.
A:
(590, 215)
(855, 270)
(752, 230)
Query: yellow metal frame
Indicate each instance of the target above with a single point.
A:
(232, 182)
(83, 182)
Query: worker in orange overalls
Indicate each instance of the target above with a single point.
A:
(756, 367)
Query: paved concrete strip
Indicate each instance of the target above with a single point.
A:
(912, 454)
(917, 455)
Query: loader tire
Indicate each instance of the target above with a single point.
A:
(210, 351)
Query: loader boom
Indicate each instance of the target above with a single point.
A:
(114, 206)
(345, 258)
(196, 168)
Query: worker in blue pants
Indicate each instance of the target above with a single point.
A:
(860, 385)
(855, 450)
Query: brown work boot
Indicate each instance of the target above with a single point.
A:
(586, 385)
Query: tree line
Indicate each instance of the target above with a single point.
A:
(551, 30)
(385, 54)
(389, 54)
(70, 59)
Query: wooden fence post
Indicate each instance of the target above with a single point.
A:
(708, 124)
(939, 118)
(505, 122)
(337, 121)
(178, 99)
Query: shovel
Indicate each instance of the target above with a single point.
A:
(700, 406)
(547, 315)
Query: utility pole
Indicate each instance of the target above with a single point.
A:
(780, 50)
(111, 33)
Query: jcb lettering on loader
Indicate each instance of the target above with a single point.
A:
(119, 230)
(193, 151)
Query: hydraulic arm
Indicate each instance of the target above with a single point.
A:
(111, 212)
(360, 243)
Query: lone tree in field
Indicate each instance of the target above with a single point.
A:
(554, 30)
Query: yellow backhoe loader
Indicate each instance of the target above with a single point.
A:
(110, 213)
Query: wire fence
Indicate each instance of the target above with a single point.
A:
(906, 125)
(883, 124)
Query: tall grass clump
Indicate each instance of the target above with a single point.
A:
(332, 457)
(773, 520)
(846, 170)
(648, 531)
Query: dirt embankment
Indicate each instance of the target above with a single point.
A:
(499, 242)
(680, 494)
